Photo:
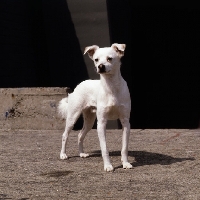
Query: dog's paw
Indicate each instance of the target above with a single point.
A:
(108, 168)
(63, 156)
(127, 165)
(84, 155)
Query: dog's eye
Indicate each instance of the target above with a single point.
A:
(96, 60)
(109, 59)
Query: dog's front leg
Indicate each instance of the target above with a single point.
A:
(125, 139)
(101, 129)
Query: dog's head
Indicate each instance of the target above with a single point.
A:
(107, 59)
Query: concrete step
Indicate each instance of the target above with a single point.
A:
(31, 108)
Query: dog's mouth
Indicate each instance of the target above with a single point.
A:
(103, 72)
(100, 71)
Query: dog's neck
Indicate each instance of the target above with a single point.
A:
(111, 82)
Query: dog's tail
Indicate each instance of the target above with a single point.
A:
(62, 108)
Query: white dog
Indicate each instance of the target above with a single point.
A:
(107, 98)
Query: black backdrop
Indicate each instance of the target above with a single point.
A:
(162, 62)
(39, 47)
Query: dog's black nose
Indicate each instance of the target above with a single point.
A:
(102, 68)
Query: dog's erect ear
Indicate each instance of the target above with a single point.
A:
(91, 50)
(119, 48)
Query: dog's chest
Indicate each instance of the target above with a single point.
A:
(112, 112)
(111, 108)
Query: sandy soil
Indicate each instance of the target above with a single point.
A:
(166, 166)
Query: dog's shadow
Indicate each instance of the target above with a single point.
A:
(142, 158)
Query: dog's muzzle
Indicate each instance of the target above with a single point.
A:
(101, 68)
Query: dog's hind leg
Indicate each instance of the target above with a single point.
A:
(89, 119)
(70, 121)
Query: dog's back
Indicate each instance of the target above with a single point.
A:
(84, 96)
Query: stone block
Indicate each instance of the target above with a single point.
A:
(31, 108)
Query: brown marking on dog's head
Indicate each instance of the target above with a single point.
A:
(91, 50)
(119, 48)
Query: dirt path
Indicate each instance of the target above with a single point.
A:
(166, 166)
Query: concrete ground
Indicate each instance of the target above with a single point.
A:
(166, 166)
